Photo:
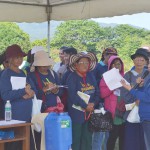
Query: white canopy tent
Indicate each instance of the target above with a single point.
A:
(46, 10)
(38, 10)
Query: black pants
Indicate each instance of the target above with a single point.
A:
(117, 132)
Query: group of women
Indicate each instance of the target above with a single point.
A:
(82, 73)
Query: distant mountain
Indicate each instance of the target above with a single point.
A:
(39, 30)
(108, 25)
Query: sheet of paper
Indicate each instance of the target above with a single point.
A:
(112, 79)
(21, 82)
(129, 106)
(3, 122)
(84, 97)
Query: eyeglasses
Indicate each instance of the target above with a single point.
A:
(117, 64)
(83, 63)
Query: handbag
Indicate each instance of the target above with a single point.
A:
(58, 108)
(36, 109)
(133, 116)
(99, 122)
(36, 106)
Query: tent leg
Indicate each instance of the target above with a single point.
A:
(48, 37)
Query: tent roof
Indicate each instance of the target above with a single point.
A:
(35, 10)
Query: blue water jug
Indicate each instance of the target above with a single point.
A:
(58, 131)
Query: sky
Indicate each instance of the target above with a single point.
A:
(141, 20)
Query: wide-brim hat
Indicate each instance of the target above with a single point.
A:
(74, 58)
(110, 50)
(141, 52)
(14, 51)
(41, 58)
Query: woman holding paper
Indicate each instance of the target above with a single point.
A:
(143, 94)
(45, 80)
(112, 99)
(134, 138)
(81, 79)
(20, 95)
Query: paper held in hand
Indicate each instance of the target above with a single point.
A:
(84, 97)
(112, 79)
(21, 82)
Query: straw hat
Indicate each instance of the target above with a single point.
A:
(74, 58)
(41, 58)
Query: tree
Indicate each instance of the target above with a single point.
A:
(86, 35)
(53, 52)
(10, 33)
(81, 34)
(42, 42)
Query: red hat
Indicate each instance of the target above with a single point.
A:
(14, 51)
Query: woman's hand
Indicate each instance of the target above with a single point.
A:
(140, 81)
(26, 96)
(50, 87)
(137, 102)
(126, 86)
(29, 92)
(90, 107)
(29, 95)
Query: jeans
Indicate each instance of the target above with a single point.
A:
(99, 140)
(146, 129)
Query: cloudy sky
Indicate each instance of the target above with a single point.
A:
(141, 20)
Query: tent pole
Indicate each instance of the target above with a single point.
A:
(48, 36)
(48, 11)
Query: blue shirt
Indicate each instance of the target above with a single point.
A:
(143, 94)
(50, 98)
(75, 83)
(21, 108)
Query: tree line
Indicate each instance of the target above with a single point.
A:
(84, 35)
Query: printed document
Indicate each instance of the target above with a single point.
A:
(112, 79)
(84, 97)
(21, 82)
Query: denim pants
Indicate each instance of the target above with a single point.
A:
(99, 140)
(146, 129)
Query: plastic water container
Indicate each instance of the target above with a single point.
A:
(58, 131)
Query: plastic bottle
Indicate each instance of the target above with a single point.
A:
(8, 111)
